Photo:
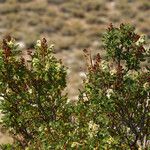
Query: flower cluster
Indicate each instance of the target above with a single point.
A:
(93, 129)
(141, 40)
(109, 93)
(105, 65)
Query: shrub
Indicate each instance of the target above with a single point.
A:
(115, 99)
(112, 111)
(56, 1)
(31, 95)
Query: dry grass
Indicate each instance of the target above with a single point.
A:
(69, 18)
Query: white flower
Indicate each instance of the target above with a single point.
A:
(146, 86)
(47, 66)
(30, 91)
(2, 97)
(113, 71)
(68, 101)
(15, 77)
(141, 40)
(110, 140)
(51, 46)
(8, 90)
(21, 44)
(82, 74)
(109, 92)
(35, 61)
(58, 67)
(75, 144)
(40, 129)
(93, 128)
(1, 116)
(132, 74)
(11, 43)
(105, 65)
(85, 99)
(128, 130)
(147, 51)
(38, 43)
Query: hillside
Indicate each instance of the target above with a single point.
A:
(69, 24)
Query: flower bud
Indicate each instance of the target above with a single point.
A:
(109, 92)
(38, 43)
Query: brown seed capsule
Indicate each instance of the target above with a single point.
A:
(121, 25)
(98, 58)
(6, 48)
(22, 60)
(44, 47)
(110, 27)
(136, 37)
(85, 51)
(141, 49)
(44, 40)
(8, 38)
(29, 52)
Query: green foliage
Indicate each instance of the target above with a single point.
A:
(116, 92)
(32, 102)
(112, 111)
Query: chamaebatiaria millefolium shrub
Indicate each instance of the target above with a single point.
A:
(112, 111)
(114, 105)
(32, 103)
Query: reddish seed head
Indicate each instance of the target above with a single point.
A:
(25, 86)
(29, 52)
(60, 61)
(121, 25)
(44, 44)
(22, 60)
(142, 49)
(98, 57)
(85, 51)
(110, 27)
(8, 38)
(136, 37)
(44, 40)
(6, 48)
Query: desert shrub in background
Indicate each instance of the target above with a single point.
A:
(3, 1)
(112, 111)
